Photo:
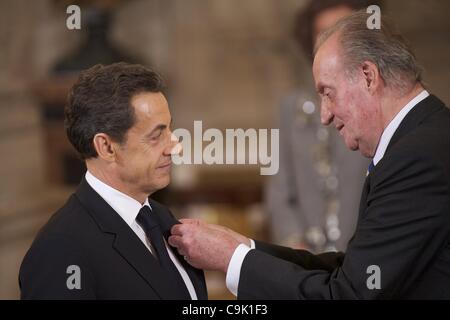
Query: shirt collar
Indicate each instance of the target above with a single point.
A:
(393, 125)
(127, 207)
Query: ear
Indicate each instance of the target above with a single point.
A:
(371, 76)
(104, 146)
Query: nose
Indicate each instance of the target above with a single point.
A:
(326, 117)
(174, 146)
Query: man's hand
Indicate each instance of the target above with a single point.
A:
(206, 246)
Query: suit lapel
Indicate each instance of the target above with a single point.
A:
(147, 266)
(419, 113)
(364, 194)
(196, 275)
(126, 242)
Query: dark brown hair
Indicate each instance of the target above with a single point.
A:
(100, 102)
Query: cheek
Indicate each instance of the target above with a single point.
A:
(152, 160)
(151, 163)
(356, 111)
(367, 112)
(344, 110)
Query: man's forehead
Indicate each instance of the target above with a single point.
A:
(151, 108)
(325, 72)
(328, 52)
(326, 64)
(150, 102)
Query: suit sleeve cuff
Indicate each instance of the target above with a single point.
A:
(234, 268)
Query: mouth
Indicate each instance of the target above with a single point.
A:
(166, 165)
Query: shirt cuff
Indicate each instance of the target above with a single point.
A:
(252, 244)
(234, 268)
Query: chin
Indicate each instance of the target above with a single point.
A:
(366, 152)
(351, 144)
(164, 182)
(158, 184)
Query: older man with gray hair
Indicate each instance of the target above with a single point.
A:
(370, 89)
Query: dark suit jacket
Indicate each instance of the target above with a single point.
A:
(403, 228)
(113, 261)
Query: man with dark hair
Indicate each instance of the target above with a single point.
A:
(370, 89)
(109, 241)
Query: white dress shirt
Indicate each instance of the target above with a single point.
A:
(128, 209)
(234, 268)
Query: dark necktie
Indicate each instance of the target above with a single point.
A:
(370, 168)
(150, 223)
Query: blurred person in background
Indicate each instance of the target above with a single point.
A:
(313, 199)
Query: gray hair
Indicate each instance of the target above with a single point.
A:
(384, 47)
